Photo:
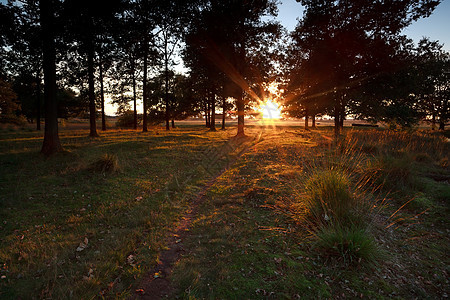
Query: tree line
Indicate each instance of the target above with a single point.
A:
(60, 58)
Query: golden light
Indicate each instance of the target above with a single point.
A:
(270, 110)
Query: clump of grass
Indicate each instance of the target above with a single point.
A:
(330, 199)
(108, 163)
(351, 244)
(337, 213)
(421, 201)
(369, 149)
(394, 173)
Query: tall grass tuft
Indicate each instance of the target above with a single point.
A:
(396, 174)
(108, 163)
(336, 210)
(330, 199)
(352, 244)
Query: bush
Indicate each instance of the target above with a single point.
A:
(13, 119)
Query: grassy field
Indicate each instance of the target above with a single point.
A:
(93, 220)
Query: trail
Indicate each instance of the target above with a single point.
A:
(156, 283)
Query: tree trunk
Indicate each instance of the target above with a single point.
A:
(306, 119)
(342, 117)
(144, 90)
(240, 105)
(240, 113)
(342, 112)
(208, 105)
(51, 142)
(337, 113)
(173, 123)
(166, 66)
(38, 103)
(212, 126)
(443, 115)
(224, 104)
(134, 94)
(433, 121)
(91, 91)
(205, 106)
(102, 96)
(313, 118)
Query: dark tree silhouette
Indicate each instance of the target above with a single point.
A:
(340, 42)
(87, 22)
(433, 81)
(51, 142)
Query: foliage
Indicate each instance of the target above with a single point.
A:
(9, 107)
(126, 119)
(340, 46)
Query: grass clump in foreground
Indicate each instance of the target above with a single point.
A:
(351, 243)
(337, 214)
(108, 163)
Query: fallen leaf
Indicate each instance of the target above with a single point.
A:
(83, 245)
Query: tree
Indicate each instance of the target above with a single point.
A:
(51, 142)
(24, 56)
(87, 24)
(229, 34)
(344, 43)
(433, 81)
(8, 102)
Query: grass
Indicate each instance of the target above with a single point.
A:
(349, 243)
(249, 240)
(49, 207)
(257, 233)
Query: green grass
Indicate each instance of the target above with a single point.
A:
(115, 191)
(115, 198)
(350, 244)
(249, 240)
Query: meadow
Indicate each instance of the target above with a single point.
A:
(284, 213)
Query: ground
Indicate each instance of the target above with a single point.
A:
(198, 214)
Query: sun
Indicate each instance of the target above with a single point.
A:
(270, 110)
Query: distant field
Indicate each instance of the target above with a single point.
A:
(94, 220)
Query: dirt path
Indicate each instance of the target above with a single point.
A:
(156, 283)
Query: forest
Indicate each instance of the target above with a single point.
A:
(329, 176)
